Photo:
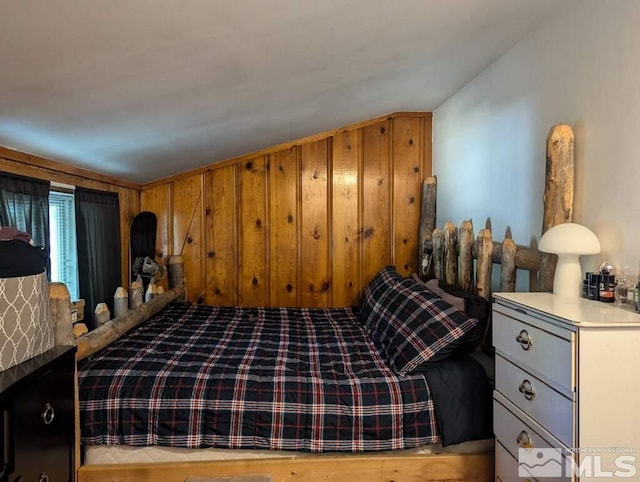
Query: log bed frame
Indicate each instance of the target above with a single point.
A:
(449, 254)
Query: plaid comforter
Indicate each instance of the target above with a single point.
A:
(294, 379)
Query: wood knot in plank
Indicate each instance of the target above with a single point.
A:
(315, 175)
(248, 166)
(316, 233)
(382, 130)
(369, 232)
(412, 200)
(289, 288)
(289, 218)
(254, 281)
(410, 142)
(258, 222)
(211, 254)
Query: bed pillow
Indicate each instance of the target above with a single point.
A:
(392, 306)
(432, 285)
(473, 305)
(370, 302)
(425, 328)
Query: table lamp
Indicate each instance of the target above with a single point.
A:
(568, 241)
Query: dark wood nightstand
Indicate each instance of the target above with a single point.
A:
(37, 422)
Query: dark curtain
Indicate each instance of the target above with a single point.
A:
(24, 204)
(98, 233)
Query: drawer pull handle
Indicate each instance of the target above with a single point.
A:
(526, 342)
(524, 440)
(48, 414)
(526, 388)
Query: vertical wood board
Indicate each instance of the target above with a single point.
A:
(253, 273)
(376, 199)
(345, 245)
(188, 238)
(314, 225)
(221, 236)
(407, 172)
(283, 228)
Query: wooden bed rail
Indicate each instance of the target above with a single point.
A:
(102, 336)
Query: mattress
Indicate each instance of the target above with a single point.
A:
(123, 454)
(298, 379)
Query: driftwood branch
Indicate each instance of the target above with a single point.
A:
(465, 236)
(438, 254)
(508, 266)
(558, 192)
(97, 339)
(485, 264)
(427, 222)
(450, 254)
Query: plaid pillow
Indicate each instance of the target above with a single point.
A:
(370, 301)
(427, 329)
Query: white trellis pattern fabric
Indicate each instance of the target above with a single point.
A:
(25, 327)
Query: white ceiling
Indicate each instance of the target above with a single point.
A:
(142, 89)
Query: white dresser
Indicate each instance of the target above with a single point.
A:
(567, 380)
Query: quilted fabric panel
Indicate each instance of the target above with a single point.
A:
(25, 327)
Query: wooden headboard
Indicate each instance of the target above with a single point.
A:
(448, 253)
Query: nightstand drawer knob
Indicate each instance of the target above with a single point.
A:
(526, 388)
(524, 440)
(48, 414)
(526, 342)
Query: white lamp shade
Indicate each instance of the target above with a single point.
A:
(568, 241)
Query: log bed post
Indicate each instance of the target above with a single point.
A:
(558, 193)
(427, 223)
(60, 314)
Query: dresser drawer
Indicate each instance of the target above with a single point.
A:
(515, 430)
(507, 467)
(545, 353)
(549, 408)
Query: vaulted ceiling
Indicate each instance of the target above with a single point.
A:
(143, 89)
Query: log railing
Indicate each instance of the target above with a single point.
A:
(449, 253)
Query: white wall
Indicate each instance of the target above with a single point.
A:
(581, 67)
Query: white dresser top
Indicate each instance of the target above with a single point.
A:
(573, 311)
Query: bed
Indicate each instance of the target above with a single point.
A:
(302, 379)
(293, 380)
(410, 438)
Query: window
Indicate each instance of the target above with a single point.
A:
(63, 252)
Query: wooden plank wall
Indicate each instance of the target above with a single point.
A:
(40, 168)
(307, 223)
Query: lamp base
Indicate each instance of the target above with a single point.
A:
(567, 281)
